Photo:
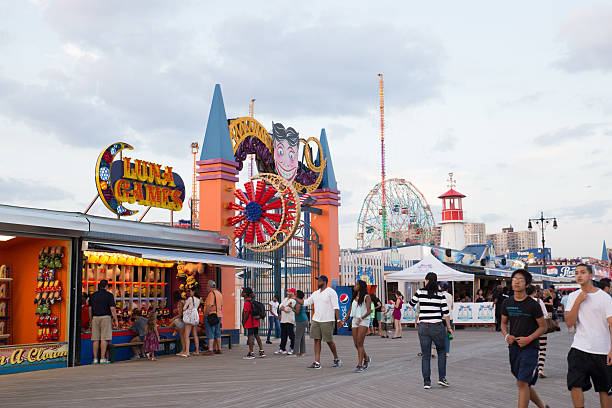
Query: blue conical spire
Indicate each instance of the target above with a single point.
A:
(329, 177)
(604, 253)
(217, 142)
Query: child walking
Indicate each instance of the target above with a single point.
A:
(151, 342)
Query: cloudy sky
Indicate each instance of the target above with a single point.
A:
(513, 97)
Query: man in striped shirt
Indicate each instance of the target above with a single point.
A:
(432, 310)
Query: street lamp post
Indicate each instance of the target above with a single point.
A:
(542, 222)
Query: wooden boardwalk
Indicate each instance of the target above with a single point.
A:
(478, 371)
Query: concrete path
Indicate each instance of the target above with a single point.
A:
(478, 371)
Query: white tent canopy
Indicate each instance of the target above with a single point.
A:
(416, 273)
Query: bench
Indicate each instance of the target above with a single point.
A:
(166, 342)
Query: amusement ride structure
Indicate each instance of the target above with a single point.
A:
(394, 211)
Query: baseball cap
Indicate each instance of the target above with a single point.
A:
(322, 277)
(292, 290)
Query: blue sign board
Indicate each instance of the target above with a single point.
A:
(535, 252)
(344, 301)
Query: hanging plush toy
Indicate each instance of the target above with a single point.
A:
(151, 275)
(180, 270)
(128, 273)
(116, 273)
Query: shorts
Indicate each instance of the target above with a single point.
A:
(363, 323)
(253, 331)
(583, 367)
(212, 332)
(524, 364)
(101, 328)
(378, 316)
(179, 323)
(323, 331)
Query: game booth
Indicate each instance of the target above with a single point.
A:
(463, 313)
(50, 261)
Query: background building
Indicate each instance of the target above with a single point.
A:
(475, 233)
(513, 241)
(437, 233)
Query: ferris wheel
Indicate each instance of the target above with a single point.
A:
(405, 218)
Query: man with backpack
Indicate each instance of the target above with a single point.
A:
(253, 311)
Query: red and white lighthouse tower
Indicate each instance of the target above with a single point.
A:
(452, 233)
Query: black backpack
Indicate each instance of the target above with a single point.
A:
(258, 311)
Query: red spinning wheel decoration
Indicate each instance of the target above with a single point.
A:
(268, 213)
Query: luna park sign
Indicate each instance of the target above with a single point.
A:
(136, 181)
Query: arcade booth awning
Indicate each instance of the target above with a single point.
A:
(430, 263)
(185, 256)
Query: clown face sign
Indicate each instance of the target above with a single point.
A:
(286, 145)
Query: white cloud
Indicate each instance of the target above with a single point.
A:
(78, 52)
(573, 133)
(587, 36)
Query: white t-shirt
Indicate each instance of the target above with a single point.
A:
(287, 316)
(192, 303)
(325, 303)
(592, 330)
(450, 303)
(274, 308)
(542, 306)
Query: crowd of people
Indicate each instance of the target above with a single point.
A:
(525, 314)
(100, 315)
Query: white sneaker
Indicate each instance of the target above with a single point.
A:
(290, 352)
(96, 361)
(279, 351)
(103, 361)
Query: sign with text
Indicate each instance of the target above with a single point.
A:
(136, 181)
(474, 313)
(32, 356)
(344, 302)
(463, 313)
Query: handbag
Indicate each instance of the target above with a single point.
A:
(191, 316)
(212, 318)
(550, 326)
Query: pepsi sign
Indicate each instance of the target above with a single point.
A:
(344, 300)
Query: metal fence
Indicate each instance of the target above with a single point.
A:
(295, 265)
